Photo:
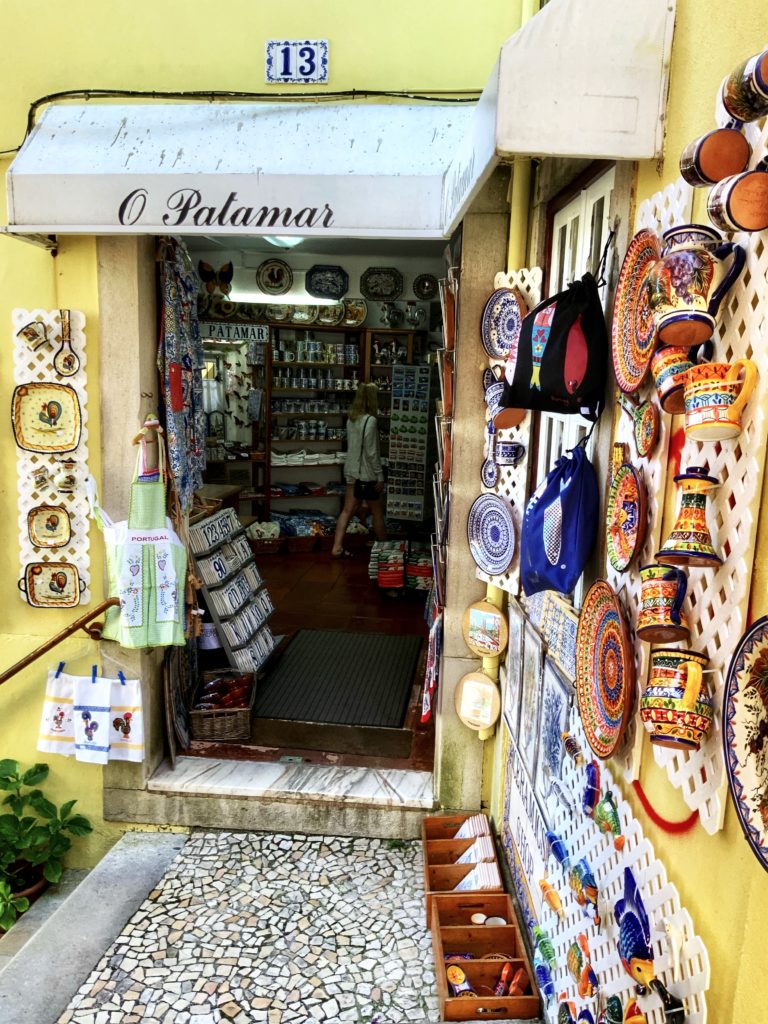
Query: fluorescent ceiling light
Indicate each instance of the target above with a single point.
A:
(295, 297)
(284, 241)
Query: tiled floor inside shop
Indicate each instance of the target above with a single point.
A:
(272, 928)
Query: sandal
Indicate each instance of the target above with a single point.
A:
(343, 554)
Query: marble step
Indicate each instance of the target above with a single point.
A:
(279, 797)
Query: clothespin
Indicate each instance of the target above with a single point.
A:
(121, 677)
(60, 669)
(94, 673)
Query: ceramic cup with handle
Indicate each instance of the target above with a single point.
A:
(714, 156)
(675, 707)
(715, 396)
(662, 592)
(744, 92)
(740, 201)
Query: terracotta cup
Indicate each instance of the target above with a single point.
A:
(740, 202)
(675, 707)
(662, 592)
(714, 156)
(715, 396)
(669, 366)
(744, 93)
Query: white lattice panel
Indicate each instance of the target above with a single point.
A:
(28, 367)
(513, 480)
(665, 209)
(662, 902)
(718, 599)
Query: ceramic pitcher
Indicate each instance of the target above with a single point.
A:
(688, 284)
(662, 592)
(690, 542)
(715, 396)
(675, 707)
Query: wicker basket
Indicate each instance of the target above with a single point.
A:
(266, 545)
(233, 724)
(204, 507)
(298, 545)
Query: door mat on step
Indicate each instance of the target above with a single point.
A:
(341, 678)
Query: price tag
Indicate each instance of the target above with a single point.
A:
(297, 60)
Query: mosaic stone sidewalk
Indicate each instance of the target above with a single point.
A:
(279, 929)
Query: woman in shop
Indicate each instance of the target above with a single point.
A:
(363, 471)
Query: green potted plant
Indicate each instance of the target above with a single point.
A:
(33, 837)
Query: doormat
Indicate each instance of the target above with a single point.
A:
(337, 678)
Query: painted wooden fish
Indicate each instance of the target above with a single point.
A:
(576, 357)
(544, 978)
(606, 817)
(544, 946)
(579, 964)
(612, 1013)
(584, 887)
(542, 325)
(556, 787)
(591, 795)
(566, 1013)
(551, 897)
(573, 749)
(558, 849)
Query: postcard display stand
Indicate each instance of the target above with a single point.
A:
(50, 425)
(412, 412)
(233, 589)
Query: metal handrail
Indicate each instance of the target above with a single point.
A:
(94, 632)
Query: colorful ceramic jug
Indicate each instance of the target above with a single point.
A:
(668, 366)
(675, 706)
(688, 284)
(690, 543)
(662, 592)
(715, 396)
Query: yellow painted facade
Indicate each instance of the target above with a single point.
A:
(398, 45)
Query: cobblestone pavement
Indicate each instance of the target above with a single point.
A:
(279, 929)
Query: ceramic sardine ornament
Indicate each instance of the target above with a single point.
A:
(566, 1013)
(544, 946)
(561, 795)
(542, 325)
(591, 795)
(558, 849)
(551, 897)
(612, 1014)
(544, 978)
(584, 888)
(606, 817)
(573, 749)
(580, 966)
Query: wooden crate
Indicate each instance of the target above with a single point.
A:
(483, 976)
(445, 826)
(455, 909)
(441, 851)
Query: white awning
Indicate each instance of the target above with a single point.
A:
(583, 78)
(332, 169)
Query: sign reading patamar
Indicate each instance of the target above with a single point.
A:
(233, 332)
(188, 206)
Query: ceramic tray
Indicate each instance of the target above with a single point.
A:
(605, 669)
(491, 534)
(745, 735)
(381, 284)
(52, 585)
(49, 526)
(46, 417)
(274, 277)
(501, 323)
(633, 335)
(326, 282)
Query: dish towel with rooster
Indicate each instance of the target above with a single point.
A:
(57, 731)
(92, 710)
(126, 726)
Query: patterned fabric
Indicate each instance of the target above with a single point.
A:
(180, 362)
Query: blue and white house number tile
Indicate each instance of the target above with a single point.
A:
(297, 60)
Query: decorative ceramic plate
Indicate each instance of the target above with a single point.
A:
(330, 316)
(49, 526)
(326, 282)
(278, 313)
(501, 323)
(381, 284)
(355, 312)
(491, 534)
(633, 335)
(425, 286)
(626, 517)
(605, 669)
(46, 417)
(274, 277)
(745, 735)
(52, 585)
(304, 314)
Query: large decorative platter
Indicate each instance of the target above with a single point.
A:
(274, 277)
(425, 286)
(605, 669)
(491, 534)
(626, 517)
(326, 282)
(381, 284)
(46, 417)
(633, 335)
(745, 735)
(355, 312)
(330, 316)
(501, 323)
(49, 526)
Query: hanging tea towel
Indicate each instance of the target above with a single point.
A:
(57, 733)
(126, 726)
(92, 696)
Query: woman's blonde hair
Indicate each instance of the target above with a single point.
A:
(365, 402)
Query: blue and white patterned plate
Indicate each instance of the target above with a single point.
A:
(501, 323)
(489, 474)
(491, 534)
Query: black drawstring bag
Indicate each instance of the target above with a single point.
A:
(560, 363)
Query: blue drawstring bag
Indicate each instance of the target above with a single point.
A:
(560, 525)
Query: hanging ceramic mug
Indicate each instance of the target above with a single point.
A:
(715, 396)
(744, 93)
(509, 453)
(714, 156)
(669, 366)
(662, 592)
(675, 707)
(740, 202)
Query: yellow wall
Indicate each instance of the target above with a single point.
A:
(137, 44)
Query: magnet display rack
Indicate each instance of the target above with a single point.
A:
(235, 593)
